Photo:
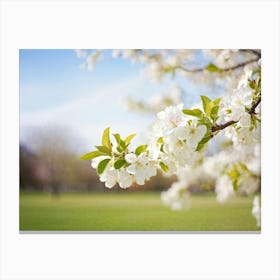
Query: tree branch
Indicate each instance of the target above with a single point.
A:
(224, 125)
(252, 110)
(239, 65)
(258, 54)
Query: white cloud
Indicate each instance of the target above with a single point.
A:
(90, 113)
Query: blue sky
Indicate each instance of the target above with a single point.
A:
(55, 91)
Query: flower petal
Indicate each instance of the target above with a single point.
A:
(130, 158)
(131, 169)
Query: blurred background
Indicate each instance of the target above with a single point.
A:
(64, 110)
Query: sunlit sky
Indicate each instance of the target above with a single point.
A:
(55, 91)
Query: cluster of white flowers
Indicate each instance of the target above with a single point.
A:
(180, 135)
(234, 105)
(224, 58)
(209, 173)
(138, 170)
(244, 136)
(176, 197)
(224, 188)
(236, 108)
(245, 167)
(176, 62)
(158, 63)
(91, 57)
(172, 145)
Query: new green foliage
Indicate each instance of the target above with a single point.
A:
(102, 165)
(212, 68)
(129, 138)
(106, 139)
(193, 112)
(164, 167)
(140, 149)
(92, 155)
(119, 163)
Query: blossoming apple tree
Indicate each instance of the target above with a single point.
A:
(178, 141)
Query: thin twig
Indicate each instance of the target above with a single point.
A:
(251, 51)
(252, 110)
(222, 126)
(239, 65)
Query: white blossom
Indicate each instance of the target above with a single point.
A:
(243, 82)
(171, 118)
(91, 60)
(242, 137)
(245, 120)
(125, 179)
(224, 188)
(248, 184)
(172, 61)
(176, 197)
(256, 210)
(109, 176)
(195, 134)
(80, 53)
(116, 53)
(155, 71)
(234, 108)
(140, 167)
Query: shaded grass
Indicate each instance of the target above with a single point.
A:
(131, 212)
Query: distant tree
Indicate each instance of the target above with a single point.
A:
(56, 148)
(26, 176)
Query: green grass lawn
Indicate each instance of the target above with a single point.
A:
(131, 212)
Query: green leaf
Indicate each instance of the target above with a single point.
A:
(140, 149)
(212, 67)
(129, 138)
(106, 138)
(258, 81)
(202, 142)
(208, 109)
(235, 184)
(233, 173)
(214, 113)
(194, 112)
(92, 155)
(207, 104)
(123, 145)
(205, 100)
(117, 137)
(160, 140)
(244, 167)
(164, 167)
(119, 163)
(252, 84)
(207, 122)
(102, 165)
(103, 150)
(217, 101)
(207, 135)
(119, 149)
